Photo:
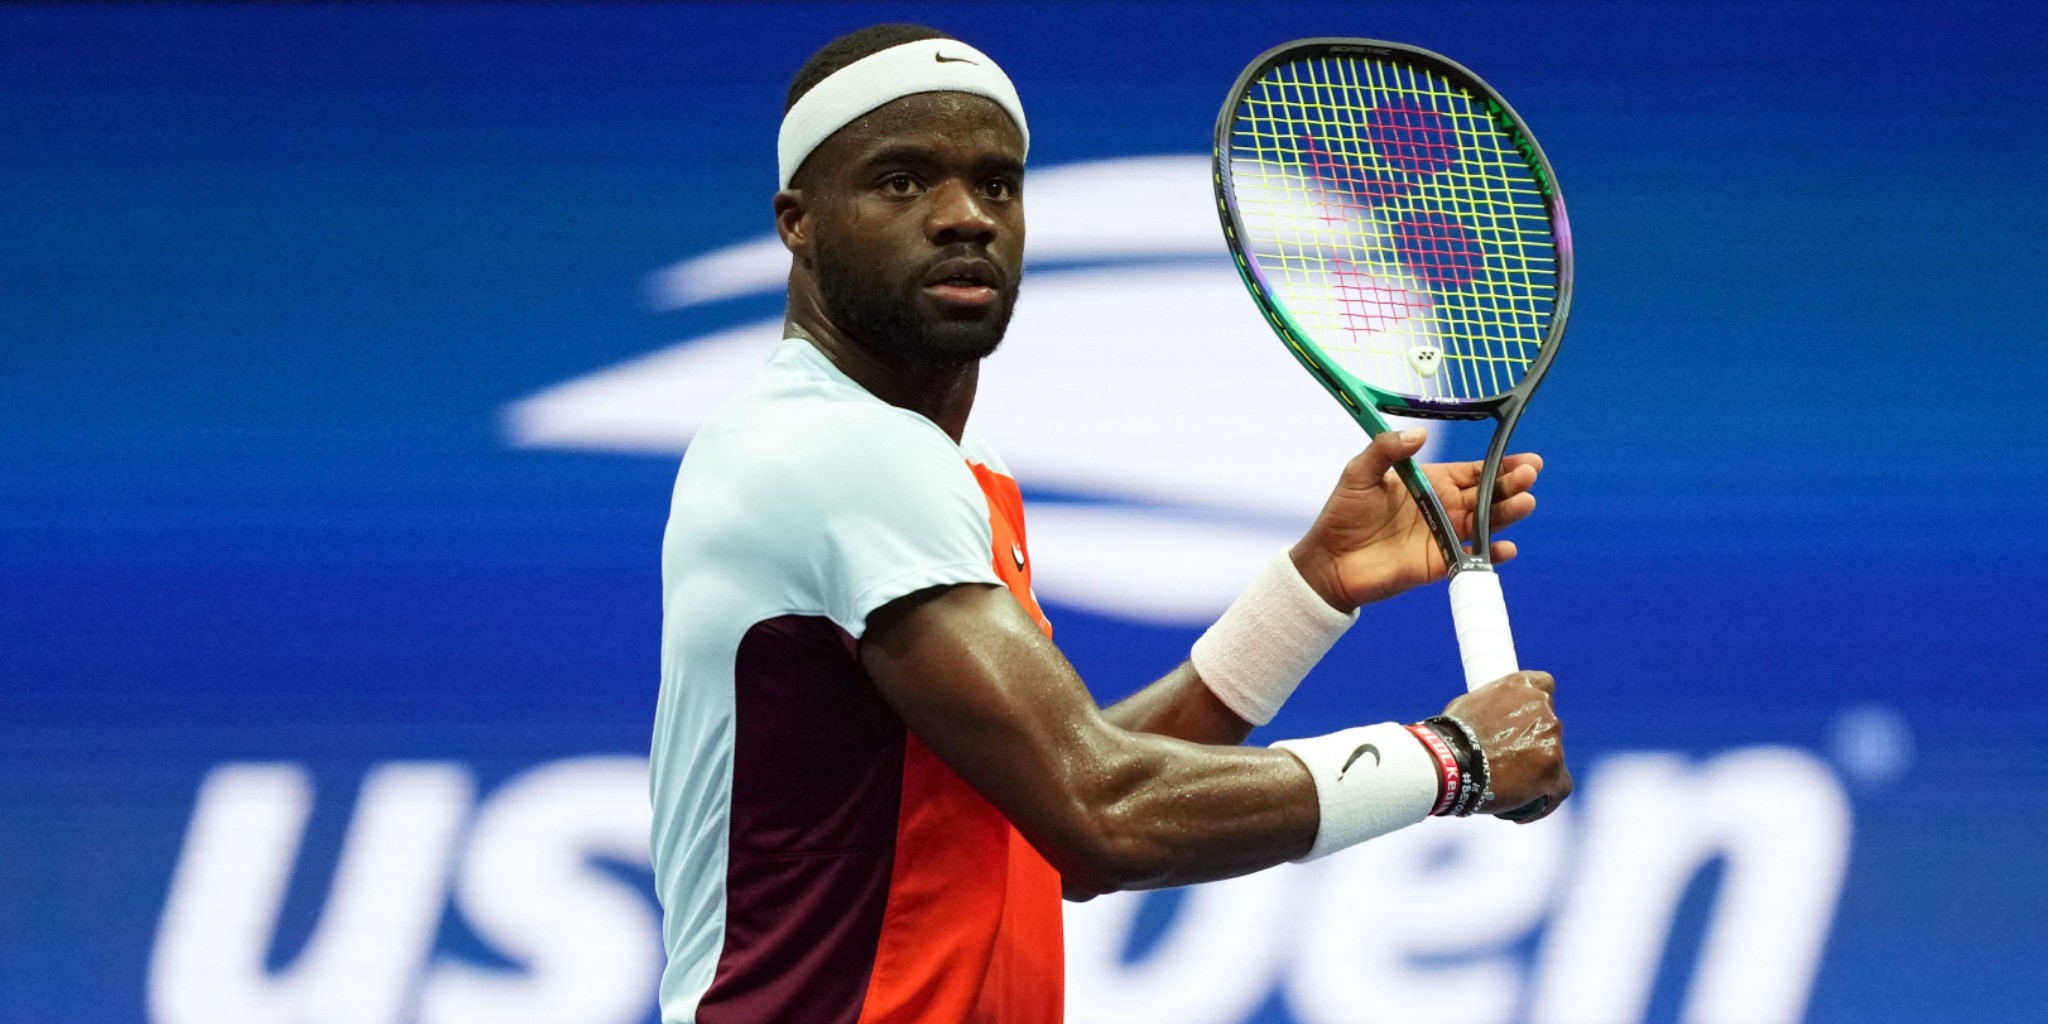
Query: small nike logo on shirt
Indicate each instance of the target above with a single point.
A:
(943, 59)
(1017, 554)
(1363, 749)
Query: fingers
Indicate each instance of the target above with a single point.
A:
(1509, 511)
(1458, 483)
(1372, 464)
(1395, 445)
(1514, 480)
(1503, 552)
(1540, 680)
(1512, 500)
(1512, 497)
(1506, 513)
(1465, 475)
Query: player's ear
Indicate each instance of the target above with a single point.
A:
(794, 222)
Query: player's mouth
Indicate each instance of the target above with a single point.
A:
(964, 282)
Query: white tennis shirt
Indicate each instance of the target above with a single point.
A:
(813, 859)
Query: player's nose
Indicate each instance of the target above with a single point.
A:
(957, 213)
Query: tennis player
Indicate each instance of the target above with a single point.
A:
(873, 773)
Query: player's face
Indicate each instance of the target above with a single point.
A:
(919, 228)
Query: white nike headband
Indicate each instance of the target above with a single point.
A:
(928, 65)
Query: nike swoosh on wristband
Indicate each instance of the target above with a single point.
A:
(1363, 749)
(943, 59)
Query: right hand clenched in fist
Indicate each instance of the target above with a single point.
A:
(1514, 723)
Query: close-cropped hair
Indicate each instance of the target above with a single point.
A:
(851, 47)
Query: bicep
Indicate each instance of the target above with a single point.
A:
(978, 682)
(970, 673)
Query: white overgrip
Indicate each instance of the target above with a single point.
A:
(1485, 642)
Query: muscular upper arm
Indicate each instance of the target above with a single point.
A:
(980, 685)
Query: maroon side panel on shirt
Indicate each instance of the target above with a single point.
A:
(817, 780)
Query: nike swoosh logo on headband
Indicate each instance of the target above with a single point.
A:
(943, 59)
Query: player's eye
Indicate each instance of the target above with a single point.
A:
(999, 188)
(900, 184)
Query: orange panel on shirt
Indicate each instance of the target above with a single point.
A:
(1012, 555)
(1028, 977)
(972, 931)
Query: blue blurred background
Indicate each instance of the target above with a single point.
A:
(272, 277)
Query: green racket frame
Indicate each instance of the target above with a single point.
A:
(1363, 401)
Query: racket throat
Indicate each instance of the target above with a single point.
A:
(1469, 562)
(1510, 414)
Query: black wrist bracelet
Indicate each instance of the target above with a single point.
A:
(1472, 766)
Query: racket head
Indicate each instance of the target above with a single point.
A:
(1398, 225)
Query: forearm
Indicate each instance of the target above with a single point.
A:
(1253, 656)
(1194, 813)
(1164, 812)
(1181, 706)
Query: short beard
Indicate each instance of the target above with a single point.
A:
(883, 315)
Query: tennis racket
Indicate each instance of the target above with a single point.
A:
(1402, 232)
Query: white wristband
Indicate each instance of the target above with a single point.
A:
(1265, 643)
(1370, 781)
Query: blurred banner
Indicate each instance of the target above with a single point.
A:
(346, 354)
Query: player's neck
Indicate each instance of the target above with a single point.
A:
(943, 394)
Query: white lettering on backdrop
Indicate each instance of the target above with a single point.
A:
(1438, 916)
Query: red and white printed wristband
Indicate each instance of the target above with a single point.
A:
(1449, 779)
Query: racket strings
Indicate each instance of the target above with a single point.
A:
(1396, 224)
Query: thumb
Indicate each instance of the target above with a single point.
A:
(1390, 447)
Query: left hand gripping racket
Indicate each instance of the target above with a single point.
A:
(1402, 232)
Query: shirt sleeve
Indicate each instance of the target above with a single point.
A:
(900, 512)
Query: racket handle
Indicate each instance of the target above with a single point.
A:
(1485, 642)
